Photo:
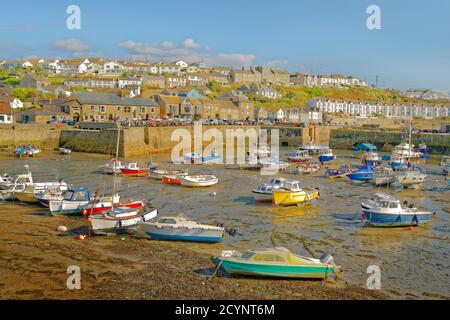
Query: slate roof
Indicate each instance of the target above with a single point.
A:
(111, 99)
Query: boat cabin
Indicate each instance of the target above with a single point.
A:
(291, 185)
(132, 166)
(277, 181)
(385, 201)
(81, 194)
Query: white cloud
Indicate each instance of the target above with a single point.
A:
(277, 63)
(73, 46)
(188, 50)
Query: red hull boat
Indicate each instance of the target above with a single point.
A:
(99, 207)
(171, 180)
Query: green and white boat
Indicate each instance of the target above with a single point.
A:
(276, 262)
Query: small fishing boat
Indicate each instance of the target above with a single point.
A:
(341, 172)
(273, 163)
(10, 185)
(133, 170)
(326, 155)
(113, 166)
(445, 164)
(371, 158)
(9, 193)
(405, 150)
(28, 151)
(182, 229)
(299, 156)
(251, 163)
(192, 158)
(46, 196)
(398, 162)
(73, 202)
(120, 219)
(384, 210)
(425, 151)
(5, 179)
(311, 147)
(65, 151)
(362, 174)
(105, 203)
(290, 194)
(309, 168)
(264, 191)
(160, 174)
(382, 176)
(29, 193)
(277, 262)
(175, 180)
(199, 181)
(411, 176)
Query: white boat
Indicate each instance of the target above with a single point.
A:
(9, 193)
(29, 193)
(273, 163)
(264, 191)
(46, 196)
(112, 167)
(445, 164)
(65, 151)
(383, 176)
(10, 185)
(73, 202)
(251, 163)
(412, 176)
(199, 181)
(120, 219)
(386, 211)
(405, 150)
(371, 158)
(160, 174)
(311, 147)
(182, 229)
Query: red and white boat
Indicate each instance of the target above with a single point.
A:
(102, 204)
(113, 166)
(133, 170)
(308, 168)
(299, 156)
(172, 179)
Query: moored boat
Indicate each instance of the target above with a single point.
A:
(199, 181)
(326, 155)
(251, 163)
(264, 191)
(192, 158)
(113, 166)
(175, 180)
(182, 229)
(309, 168)
(410, 176)
(158, 174)
(291, 194)
(382, 176)
(276, 262)
(445, 164)
(362, 174)
(64, 151)
(133, 170)
(120, 219)
(371, 158)
(299, 156)
(28, 195)
(384, 210)
(73, 202)
(311, 147)
(334, 173)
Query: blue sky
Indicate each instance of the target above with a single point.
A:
(411, 50)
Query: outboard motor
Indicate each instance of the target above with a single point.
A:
(232, 232)
(328, 259)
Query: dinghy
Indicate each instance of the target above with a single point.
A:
(105, 203)
(384, 210)
(182, 229)
(277, 262)
(341, 172)
(65, 151)
(309, 168)
(160, 174)
(291, 194)
(120, 219)
(199, 181)
(175, 180)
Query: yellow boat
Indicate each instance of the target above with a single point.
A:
(292, 194)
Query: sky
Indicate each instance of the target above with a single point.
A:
(411, 50)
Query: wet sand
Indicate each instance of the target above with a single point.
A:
(34, 256)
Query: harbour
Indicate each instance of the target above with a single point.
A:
(413, 261)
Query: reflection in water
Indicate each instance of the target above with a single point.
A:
(411, 261)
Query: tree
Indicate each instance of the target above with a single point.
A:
(24, 93)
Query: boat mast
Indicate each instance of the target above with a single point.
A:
(117, 158)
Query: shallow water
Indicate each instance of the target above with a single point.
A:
(414, 263)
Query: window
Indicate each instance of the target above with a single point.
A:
(127, 109)
(119, 108)
(142, 109)
(92, 108)
(102, 109)
(152, 110)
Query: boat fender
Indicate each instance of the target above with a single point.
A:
(61, 229)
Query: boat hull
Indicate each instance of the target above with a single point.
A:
(27, 197)
(88, 210)
(271, 270)
(66, 207)
(102, 225)
(395, 220)
(360, 176)
(134, 172)
(183, 234)
(292, 198)
(171, 180)
(262, 197)
(324, 158)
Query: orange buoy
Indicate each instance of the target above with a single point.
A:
(81, 237)
(410, 228)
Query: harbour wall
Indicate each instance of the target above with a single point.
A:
(41, 135)
(385, 140)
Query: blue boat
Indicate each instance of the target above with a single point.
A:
(214, 157)
(386, 211)
(365, 147)
(326, 155)
(364, 173)
(425, 151)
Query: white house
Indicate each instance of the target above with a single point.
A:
(15, 103)
(181, 64)
(281, 114)
(27, 64)
(113, 67)
(5, 113)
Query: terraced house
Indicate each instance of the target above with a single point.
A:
(176, 107)
(103, 107)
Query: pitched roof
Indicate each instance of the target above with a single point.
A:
(111, 99)
(4, 107)
(169, 99)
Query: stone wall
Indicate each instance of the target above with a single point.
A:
(41, 135)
